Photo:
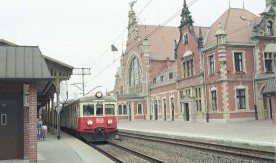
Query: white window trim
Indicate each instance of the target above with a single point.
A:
(243, 62)
(210, 100)
(141, 108)
(246, 98)
(208, 64)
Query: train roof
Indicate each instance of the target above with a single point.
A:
(92, 98)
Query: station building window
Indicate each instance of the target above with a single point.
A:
(239, 62)
(240, 99)
(211, 65)
(120, 109)
(124, 109)
(214, 100)
(139, 109)
(135, 72)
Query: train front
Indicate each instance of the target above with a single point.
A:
(97, 120)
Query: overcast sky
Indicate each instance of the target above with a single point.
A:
(80, 32)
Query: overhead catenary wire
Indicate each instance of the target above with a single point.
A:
(155, 30)
(152, 33)
(108, 48)
(149, 35)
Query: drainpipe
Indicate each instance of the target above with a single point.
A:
(254, 82)
(205, 90)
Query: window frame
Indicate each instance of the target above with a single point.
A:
(239, 97)
(211, 65)
(139, 109)
(214, 100)
(187, 64)
(269, 56)
(239, 62)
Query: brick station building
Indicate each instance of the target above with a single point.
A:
(199, 74)
(28, 82)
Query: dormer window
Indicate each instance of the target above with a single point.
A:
(269, 28)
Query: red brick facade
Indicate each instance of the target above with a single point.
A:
(30, 116)
(219, 71)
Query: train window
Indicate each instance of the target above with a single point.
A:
(99, 109)
(88, 110)
(109, 109)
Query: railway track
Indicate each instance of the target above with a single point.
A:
(249, 154)
(120, 154)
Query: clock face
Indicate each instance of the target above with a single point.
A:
(99, 94)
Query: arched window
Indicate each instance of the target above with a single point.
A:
(135, 72)
(185, 38)
(269, 28)
(139, 109)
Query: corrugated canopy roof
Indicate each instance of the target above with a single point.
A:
(22, 62)
(270, 86)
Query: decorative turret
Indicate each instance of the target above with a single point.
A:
(200, 39)
(220, 34)
(186, 18)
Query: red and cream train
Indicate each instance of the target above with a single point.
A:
(91, 117)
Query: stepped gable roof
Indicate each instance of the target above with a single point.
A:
(237, 29)
(161, 42)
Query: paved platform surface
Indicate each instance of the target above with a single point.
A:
(259, 134)
(67, 150)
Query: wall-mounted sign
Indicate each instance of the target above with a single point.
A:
(25, 94)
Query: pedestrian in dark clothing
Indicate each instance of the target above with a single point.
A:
(39, 126)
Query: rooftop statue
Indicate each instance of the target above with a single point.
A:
(131, 4)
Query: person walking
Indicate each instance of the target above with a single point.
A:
(39, 126)
(44, 131)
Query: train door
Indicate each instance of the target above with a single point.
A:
(10, 136)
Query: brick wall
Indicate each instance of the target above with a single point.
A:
(31, 124)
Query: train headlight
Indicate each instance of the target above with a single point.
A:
(89, 123)
(109, 122)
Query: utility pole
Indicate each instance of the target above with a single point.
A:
(82, 72)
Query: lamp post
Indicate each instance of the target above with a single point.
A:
(255, 66)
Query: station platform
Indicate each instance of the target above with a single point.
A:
(66, 150)
(259, 134)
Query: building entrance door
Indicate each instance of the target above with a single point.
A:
(9, 130)
(186, 107)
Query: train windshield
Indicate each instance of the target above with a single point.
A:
(109, 109)
(99, 109)
(88, 110)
